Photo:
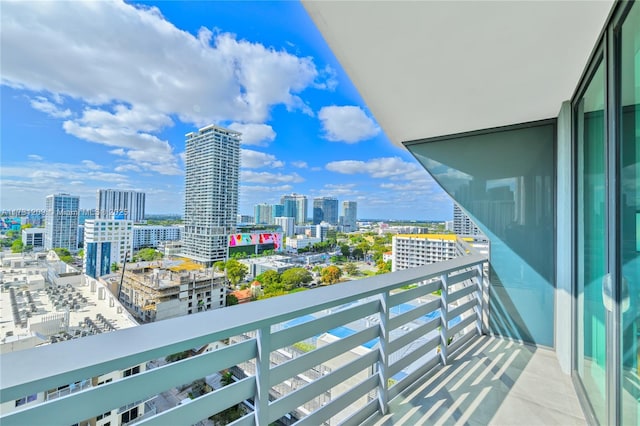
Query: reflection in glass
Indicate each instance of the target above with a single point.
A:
(591, 245)
(630, 215)
(504, 180)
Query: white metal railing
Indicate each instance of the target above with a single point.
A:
(404, 333)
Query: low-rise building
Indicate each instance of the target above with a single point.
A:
(33, 237)
(160, 290)
(154, 235)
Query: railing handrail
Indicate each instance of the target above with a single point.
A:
(21, 370)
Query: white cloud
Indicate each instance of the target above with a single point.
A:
(254, 134)
(255, 160)
(127, 168)
(43, 104)
(132, 73)
(269, 178)
(387, 167)
(113, 51)
(300, 164)
(35, 157)
(91, 165)
(347, 124)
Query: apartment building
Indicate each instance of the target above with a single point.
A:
(212, 160)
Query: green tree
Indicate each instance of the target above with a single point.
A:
(365, 247)
(268, 278)
(177, 356)
(114, 267)
(26, 226)
(17, 246)
(292, 278)
(357, 253)
(220, 265)
(383, 267)
(236, 271)
(231, 300)
(81, 253)
(64, 254)
(149, 254)
(351, 268)
(345, 250)
(330, 274)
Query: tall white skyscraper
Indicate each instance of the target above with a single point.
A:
(287, 224)
(61, 222)
(212, 156)
(117, 204)
(350, 216)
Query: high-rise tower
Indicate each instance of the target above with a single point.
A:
(295, 205)
(61, 222)
(350, 216)
(118, 204)
(212, 156)
(325, 209)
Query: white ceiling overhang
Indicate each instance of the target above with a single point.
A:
(432, 68)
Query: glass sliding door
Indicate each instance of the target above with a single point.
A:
(590, 124)
(629, 262)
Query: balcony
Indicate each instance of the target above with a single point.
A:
(388, 349)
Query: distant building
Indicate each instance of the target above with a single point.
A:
(212, 157)
(153, 235)
(120, 204)
(33, 237)
(263, 214)
(61, 222)
(293, 244)
(296, 206)
(462, 224)
(259, 265)
(350, 216)
(412, 250)
(325, 209)
(107, 241)
(287, 224)
(245, 219)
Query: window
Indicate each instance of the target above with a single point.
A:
(131, 371)
(129, 415)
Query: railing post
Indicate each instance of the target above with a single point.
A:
(383, 362)
(483, 300)
(263, 365)
(444, 319)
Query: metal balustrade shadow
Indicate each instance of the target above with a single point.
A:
(491, 382)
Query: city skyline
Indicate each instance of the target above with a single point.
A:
(115, 116)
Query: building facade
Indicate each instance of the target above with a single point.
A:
(263, 214)
(154, 294)
(325, 209)
(462, 224)
(287, 224)
(152, 236)
(296, 206)
(106, 241)
(119, 204)
(33, 237)
(211, 192)
(413, 250)
(349, 216)
(61, 222)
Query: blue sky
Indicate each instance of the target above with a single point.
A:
(100, 95)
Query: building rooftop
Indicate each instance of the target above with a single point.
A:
(33, 313)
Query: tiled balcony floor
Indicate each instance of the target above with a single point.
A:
(492, 382)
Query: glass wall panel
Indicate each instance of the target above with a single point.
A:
(630, 214)
(592, 243)
(504, 180)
